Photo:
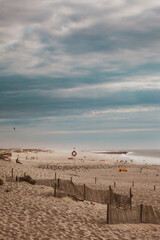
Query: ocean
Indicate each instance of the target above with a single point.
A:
(144, 156)
(140, 156)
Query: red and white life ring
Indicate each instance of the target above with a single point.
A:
(74, 153)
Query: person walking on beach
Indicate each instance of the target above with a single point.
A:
(17, 161)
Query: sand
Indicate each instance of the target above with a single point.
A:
(32, 212)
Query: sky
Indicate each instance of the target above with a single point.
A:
(83, 74)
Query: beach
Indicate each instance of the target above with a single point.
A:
(32, 212)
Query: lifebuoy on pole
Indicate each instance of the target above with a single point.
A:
(74, 153)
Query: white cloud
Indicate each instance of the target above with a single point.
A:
(125, 84)
(99, 90)
(23, 23)
(105, 131)
(125, 110)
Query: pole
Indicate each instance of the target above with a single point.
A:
(55, 187)
(130, 193)
(108, 213)
(110, 194)
(141, 213)
(58, 183)
(84, 192)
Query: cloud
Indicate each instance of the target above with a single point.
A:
(80, 67)
(135, 85)
(105, 131)
(71, 39)
(125, 110)
(21, 97)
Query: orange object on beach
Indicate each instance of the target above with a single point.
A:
(102, 160)
(122, 170)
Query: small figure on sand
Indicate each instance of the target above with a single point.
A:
(17, 161)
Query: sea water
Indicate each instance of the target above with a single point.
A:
(149, 156)
(140, 156)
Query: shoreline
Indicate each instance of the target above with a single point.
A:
(110, 152)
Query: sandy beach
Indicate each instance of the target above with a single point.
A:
(32, 212)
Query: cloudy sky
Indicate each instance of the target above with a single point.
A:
(80, 73)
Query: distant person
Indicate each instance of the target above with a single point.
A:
(17, 161)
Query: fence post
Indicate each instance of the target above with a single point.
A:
(108, 213)
(12, 172)
(55, 176)
(84, 192)
(110, 194)
(141, 213)
(55, 188)
(130, 194)
(95, 180)
(154, 187)
(58, 183)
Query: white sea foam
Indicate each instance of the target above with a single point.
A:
(130, 153)
(149, 156)
(142, 159)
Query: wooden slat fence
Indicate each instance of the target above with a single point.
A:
(137, 214)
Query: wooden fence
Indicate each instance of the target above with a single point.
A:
(83, 192)
(119, 207)
(137, 214)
